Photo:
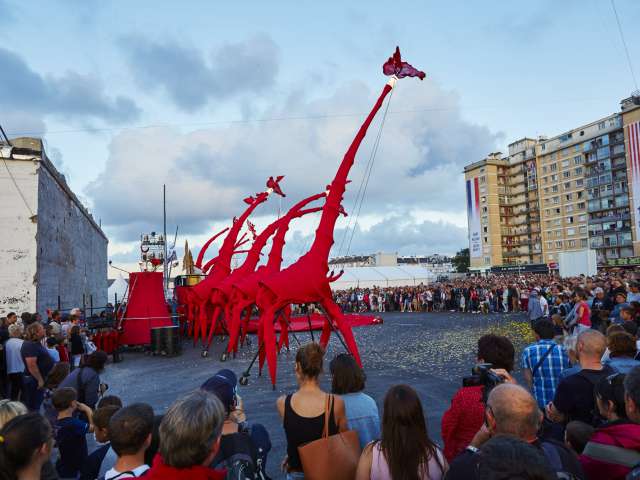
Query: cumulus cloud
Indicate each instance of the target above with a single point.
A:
(71, 95)
(191, 79)
(425, 143)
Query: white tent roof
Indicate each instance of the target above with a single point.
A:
(118, 287)
(368, 277)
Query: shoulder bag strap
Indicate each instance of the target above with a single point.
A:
(325, 430)
(542, 359)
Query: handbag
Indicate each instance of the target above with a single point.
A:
(331, 457)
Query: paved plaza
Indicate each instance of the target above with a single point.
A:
(429, 351)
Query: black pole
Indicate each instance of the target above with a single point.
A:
(91, 303)
(59, 305)
(84, 303)
(115, 301)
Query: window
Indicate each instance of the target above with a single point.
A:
(579, 182)
(556, 200)
(557, 211)
(566, 174)
(578, 170)
(571, 244)
(558, 243)
(487, 260)
(549, 246)
(545, 179)
(484, 229)
(544, 169)
(558, 233)
(565, 163)
(570, 219)
(580, 205)
(484, 199)
(554, 167)
(576, 148)
(582, 218)
(568, 209)
(483, 179)
(484, 209)
(579, 195)
(554, 188)
(547, 212)
(602, 126)
(569, 197)
(486, 240)
(571, 231)
(577, 160)
(567, 185)
(584, 243)
(566, 137)
(546, 189)
(582, 229)
(554, 178)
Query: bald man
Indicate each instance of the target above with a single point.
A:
(511, 410)
(574, 396)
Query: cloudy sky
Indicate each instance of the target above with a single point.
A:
(212, 98)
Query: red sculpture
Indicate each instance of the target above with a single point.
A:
(306, 280)
(221, 292)
(199, 295)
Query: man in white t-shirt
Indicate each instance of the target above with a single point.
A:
(130, 434)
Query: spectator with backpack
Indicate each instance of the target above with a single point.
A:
(86, 379)
(130, 434)
(543, 362)
(574, 399)
(243, 447)
(190, 439)
(614, 448)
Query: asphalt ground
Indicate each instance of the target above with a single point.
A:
(429, 351)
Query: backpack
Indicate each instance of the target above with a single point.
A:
(241, 458)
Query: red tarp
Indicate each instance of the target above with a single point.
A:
(146, 308)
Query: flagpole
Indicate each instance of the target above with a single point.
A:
(164, 220)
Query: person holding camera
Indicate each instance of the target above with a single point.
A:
(512, 411)
(465, 415)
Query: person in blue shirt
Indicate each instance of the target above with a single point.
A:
(543, 362)
(348, 381)
(70, 432)
(620, 303)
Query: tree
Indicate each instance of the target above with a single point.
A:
(461, 261)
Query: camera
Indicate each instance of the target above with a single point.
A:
(481, 375)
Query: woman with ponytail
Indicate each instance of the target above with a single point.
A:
(25, 447)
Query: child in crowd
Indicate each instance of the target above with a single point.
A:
(577, 434)
(70, 433)
(103, 458)
(51, 348)
(130, 431)
(58, 373)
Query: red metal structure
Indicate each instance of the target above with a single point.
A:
(306, 280)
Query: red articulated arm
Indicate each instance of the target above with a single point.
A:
(205, 246)
(332, 278)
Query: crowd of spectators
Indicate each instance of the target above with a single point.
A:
(575, 414)
(480, 294)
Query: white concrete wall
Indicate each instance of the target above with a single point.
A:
(18, 235)
(72, 251)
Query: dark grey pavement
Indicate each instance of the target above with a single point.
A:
(429, 351)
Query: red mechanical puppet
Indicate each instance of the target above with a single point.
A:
(200, 294)
(221, 293)
(306, 280)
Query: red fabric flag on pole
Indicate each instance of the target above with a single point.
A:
(395, 66)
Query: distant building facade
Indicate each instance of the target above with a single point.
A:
(437, 264)
(567, 193)
(52, 251)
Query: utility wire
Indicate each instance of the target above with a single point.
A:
(624, 44)
(368, 175)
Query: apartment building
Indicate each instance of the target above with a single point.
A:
(566, 193)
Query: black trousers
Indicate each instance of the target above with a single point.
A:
(15, 385)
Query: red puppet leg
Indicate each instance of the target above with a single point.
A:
(234, 328)
(213, 326)
(336, 315)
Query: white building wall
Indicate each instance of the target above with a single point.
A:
(72, 250)
(18, 235)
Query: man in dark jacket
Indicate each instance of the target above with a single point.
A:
(512, 410)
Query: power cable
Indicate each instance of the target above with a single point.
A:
(624, 44)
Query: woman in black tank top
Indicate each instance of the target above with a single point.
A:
(303, 412)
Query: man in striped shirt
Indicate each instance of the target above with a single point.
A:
(543, 362)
